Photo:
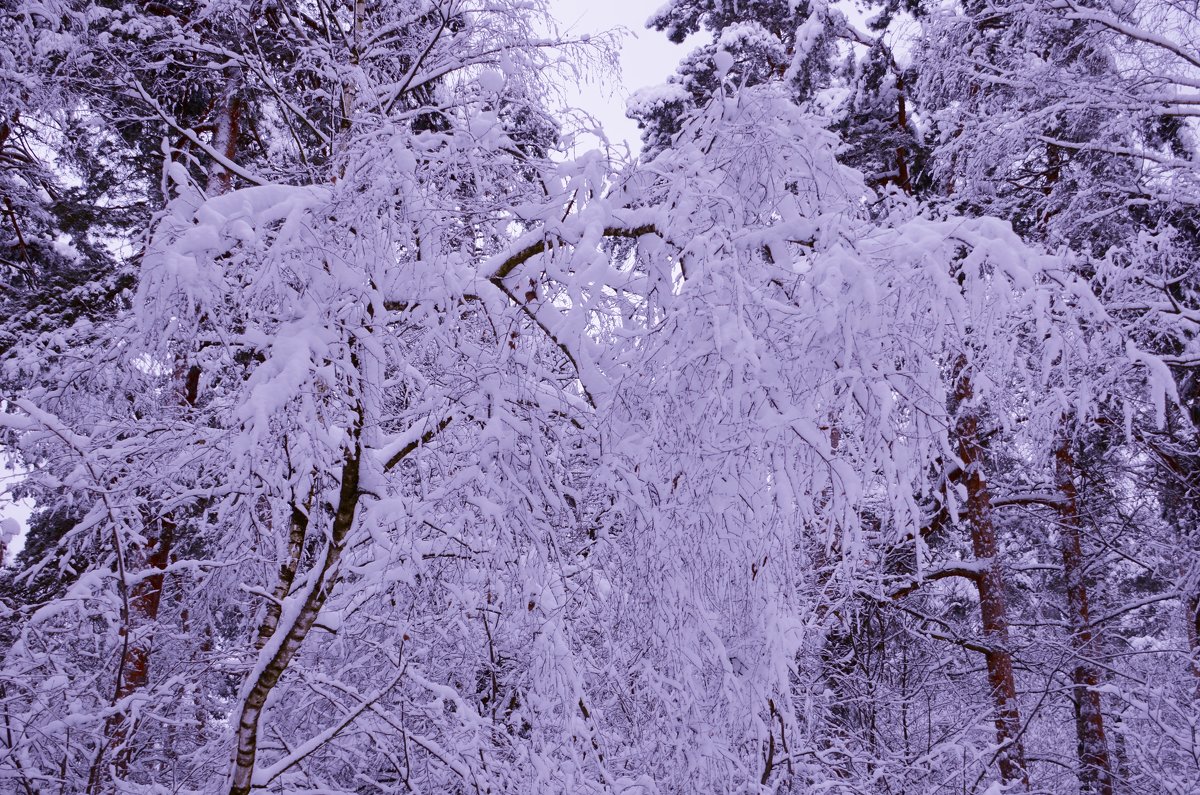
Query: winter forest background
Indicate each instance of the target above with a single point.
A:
(388, 432)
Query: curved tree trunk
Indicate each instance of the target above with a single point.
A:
(278, 651)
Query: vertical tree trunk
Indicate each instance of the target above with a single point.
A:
(1095, 769)
(136, 633)
(144, 599)
(141, 614)
(904, 180)
(226, 129)
(1192, 616)
(992, 603)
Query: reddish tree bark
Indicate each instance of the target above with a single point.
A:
(1095, 768)
(140, 614)
(226, 129)
(142, 601)
(903, 178)
(990, 584)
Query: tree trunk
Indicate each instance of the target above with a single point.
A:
(904, 180)
(1095, 770)
(133, 672)
(1192, 616)
(992, 604)
(297, 533)
(140, 615)
(275, 657)
(226, 129)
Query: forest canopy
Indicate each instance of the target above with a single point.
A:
(845, 440)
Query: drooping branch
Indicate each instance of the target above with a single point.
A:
(502, 266)
(193, 138)
(965, 572)
(409, 447)
(505, 264)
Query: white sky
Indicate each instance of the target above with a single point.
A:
(18, 511)
(647, 58)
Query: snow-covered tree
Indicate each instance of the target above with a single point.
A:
(415, 456)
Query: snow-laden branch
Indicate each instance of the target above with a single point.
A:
(193, 138)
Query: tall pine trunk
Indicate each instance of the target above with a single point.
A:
(1095, 769)
(993, 606)
(226, 131)
(139, 616)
